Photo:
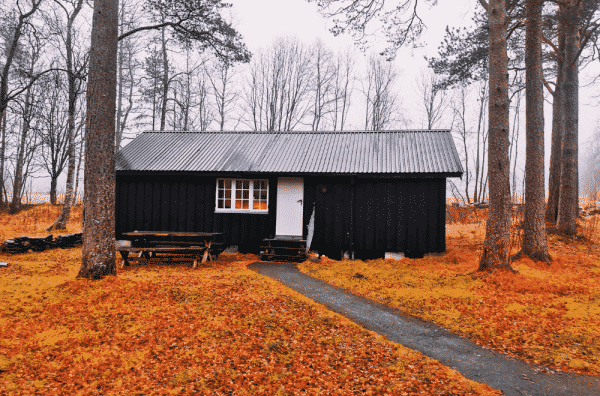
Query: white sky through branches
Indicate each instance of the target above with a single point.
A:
(261, 22)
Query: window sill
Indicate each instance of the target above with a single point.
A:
(253, 211)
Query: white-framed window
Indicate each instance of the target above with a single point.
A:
(242, 196)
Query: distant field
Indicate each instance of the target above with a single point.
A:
(42, 198)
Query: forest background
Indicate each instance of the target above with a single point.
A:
(165, 85)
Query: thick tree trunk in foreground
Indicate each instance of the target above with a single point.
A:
(496, 247)
(98, 255)
(534, 224)
(568, 202)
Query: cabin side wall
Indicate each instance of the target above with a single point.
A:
(373, 216)
(187, 203)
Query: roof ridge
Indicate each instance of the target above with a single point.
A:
(307, 132)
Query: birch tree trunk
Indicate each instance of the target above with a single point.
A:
(496, 247)
(98, 252)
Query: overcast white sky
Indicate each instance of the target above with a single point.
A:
(261, 21)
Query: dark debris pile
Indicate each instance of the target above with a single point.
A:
(25, 244)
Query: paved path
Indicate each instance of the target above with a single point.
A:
(511, 376)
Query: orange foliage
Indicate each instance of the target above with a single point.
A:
(34, 221)
(219, 329)
(545, 314)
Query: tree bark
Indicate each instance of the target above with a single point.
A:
(2, 152)
(534, 225)
(98, 252)
(567, 202)
(558, 128)
(119, 132)
(496, 247)
(165, 82)
(77, 173)
(53, 183)
(15, 203)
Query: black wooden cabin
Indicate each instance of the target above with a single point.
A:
(366, 192)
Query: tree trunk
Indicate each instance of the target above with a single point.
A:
(567, 202)
(53, 181)
(78, 172)
(65, 214)
(165, 82)
(98, 252)
(119, 132)
(2, 151)
(558, 128)
(496, 247)
(534, 225)
(15, 203)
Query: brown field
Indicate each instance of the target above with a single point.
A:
(223, 328)
(547, 314)
(166, 329)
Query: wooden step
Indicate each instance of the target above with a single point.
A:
(282, 257)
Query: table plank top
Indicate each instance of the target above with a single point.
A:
(170, 233)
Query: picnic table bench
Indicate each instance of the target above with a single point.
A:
(171, 246)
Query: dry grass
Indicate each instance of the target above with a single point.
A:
(34, 220)
(170, 329)
(545, 314)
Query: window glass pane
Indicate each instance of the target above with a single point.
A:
(241, 197)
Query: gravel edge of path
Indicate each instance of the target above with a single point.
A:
(511, 376)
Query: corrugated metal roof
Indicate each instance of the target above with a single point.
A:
(355, 152)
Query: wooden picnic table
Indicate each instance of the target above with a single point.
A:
(172, 245)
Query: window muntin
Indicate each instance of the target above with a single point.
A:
(242, 195)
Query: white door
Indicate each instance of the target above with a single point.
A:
(290, 195)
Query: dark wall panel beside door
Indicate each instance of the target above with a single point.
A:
(187, 203)
(374, 216)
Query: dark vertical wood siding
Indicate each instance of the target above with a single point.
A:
(402, 215)
(368, 215)
(187, 203)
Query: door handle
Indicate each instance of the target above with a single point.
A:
(299, 201)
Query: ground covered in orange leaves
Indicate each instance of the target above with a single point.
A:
(160, 329)
(545, 314)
